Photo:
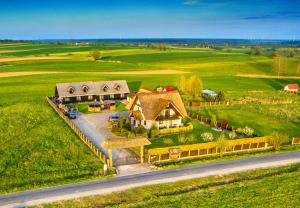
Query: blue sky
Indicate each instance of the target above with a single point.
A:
(43, 19)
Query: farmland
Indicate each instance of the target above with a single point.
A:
(37, 147)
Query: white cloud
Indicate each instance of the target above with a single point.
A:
(190, 2)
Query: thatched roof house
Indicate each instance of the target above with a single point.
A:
(88, 91)
(165, 109)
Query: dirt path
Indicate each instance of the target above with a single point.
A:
(10, 59)
(267, 76)
(143, 72)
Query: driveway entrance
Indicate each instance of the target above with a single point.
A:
(95, 127)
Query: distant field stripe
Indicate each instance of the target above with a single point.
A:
(267, 76)
(31, 58)
(26, 73)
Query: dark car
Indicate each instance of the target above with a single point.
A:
(72, 114)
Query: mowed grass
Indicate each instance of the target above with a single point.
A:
(274, 187)
(37, 149)
(32, 133)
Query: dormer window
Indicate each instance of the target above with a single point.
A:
(85, 88)
(105, 88)
(117, 87)
(71, 90)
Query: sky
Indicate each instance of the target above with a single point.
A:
(75, 19)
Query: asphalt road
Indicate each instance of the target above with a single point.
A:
(47, 195)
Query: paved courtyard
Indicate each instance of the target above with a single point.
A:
(95, 127)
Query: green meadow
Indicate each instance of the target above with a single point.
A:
(38, 149)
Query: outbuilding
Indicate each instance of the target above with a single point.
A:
(292, 88)
(90, 91)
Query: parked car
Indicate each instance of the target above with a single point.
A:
(72, 114)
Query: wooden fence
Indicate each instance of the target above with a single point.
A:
(195, 103)
(206, 120)
(296, 140)
(239, 102)
(77, 131)
(206, 149)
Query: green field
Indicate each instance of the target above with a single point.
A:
(275, 187)
(36, 144)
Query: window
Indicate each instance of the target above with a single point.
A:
(122, 95)
(145, 122)
(111, 96)
(117, 87)
(85, 88)
(71, 90)
(105, 88)
(78, 98)
(67, 99)
(90, 97)
(167, 113)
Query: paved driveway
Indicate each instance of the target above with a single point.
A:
(95, 127)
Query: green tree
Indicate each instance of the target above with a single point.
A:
(95, 55)
(222, 144)
(213, 120)
(154, 132)
(182, 84)
(277, 139)
(221, 96)
(194, 86)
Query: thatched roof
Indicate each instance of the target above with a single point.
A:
(153, 103)
(124, 142)
(91, 88)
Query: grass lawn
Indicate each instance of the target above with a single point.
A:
(280, 118)
(38, 150)
(83, 108)
(271, 187)
(196, 133)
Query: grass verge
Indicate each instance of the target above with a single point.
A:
(256, 188)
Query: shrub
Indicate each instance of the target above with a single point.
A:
(191, 138)
(141, 129)
(154, 132)
(213, 120)
(222, 144)
(125, 133)
(167, 141)
(248, 131)
(186, 120)
(115, 128)
(239, 130)
(177, 130)
(182, 139)
(277, 139)
(207, 137)
(224, 123)
(128, 125)
(232, 135)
